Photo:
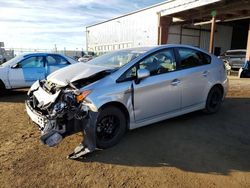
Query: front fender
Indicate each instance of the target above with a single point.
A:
(4, 77)
(123, 98)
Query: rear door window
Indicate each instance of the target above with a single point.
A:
(54, 60)
(192, 58)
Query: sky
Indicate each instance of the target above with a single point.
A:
(41, 24)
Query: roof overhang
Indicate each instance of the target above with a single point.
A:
(181, 6)
(193, 11)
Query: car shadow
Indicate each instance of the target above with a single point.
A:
(217, 143)
(16, 96)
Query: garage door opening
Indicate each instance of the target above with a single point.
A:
(240, 34)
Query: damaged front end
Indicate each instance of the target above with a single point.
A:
(58, 111)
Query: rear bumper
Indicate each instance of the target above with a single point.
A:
(225, 86)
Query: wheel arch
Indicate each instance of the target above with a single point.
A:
(2, 85)
(212, 109)
(121, 107)
(220, 87)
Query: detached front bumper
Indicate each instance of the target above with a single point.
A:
(36, 117)
(52, 131)
(49, 134)
(59, 115)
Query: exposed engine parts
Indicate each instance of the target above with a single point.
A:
(58, 114)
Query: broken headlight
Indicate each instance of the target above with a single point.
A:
(82, 95)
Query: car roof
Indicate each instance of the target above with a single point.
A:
(147, 48)
(175, 46)
(165, 45)
(39, 53)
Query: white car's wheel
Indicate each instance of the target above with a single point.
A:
(2, 88)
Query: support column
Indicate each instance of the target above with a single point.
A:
(211, 45)
(248, 44)
(163, 28)
(87, 41)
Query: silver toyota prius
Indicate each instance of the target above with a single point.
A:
(124, 90)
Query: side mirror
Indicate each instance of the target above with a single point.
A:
(16, 66)
(142, 73)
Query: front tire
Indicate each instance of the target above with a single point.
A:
(110, 127)
(214, 100)
(2, 88)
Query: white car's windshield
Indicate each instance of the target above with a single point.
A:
(11, 61)
(118, 58)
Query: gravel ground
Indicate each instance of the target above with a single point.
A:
(194, 150)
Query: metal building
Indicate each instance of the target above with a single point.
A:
(214, 25)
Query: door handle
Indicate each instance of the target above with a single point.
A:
(205, 73)
(175, 82)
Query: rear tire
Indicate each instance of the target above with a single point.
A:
(214, 100)
(110, 127)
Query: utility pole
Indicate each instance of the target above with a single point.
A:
(55, 48)
(211, 45)
(87, 38)
(248, 44)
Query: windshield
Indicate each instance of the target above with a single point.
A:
(11, 61)
(117, 59)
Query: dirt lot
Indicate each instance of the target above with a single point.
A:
(194, 150)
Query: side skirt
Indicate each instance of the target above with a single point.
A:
(134, 125)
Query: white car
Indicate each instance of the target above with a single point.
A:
(85, 58)
(23, 70)
(1, 59)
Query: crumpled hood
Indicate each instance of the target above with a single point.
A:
(74, 72)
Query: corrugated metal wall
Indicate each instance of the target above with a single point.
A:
(205, 37)
(141, 29)
(199, 36)
(133, 30)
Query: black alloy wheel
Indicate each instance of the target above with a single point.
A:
(214, 100)
(107, 127)
(110, 127)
